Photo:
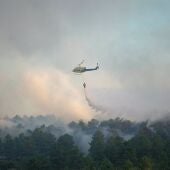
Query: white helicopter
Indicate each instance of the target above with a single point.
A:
(81, 69)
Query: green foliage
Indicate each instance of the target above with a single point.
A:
(89, 163)
(7, 164)
(97, 146)
(128, 165)
(40, 150)
(8, 147)
(146, 163)
(106, 165)
(38, 163)
(66, 154)
(113, 150)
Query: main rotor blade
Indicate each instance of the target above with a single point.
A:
(81, 63)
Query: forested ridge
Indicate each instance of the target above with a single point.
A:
(114, 144)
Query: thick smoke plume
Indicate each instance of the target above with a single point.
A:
(130, 43)
(41, 91)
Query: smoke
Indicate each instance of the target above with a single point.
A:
(102, 111)
(5, 123)
(16, 125)
(82, 139)
(40, 90)
(81, 132)
(95, 107)
(133, 54)
(52, 92)
(125, 136)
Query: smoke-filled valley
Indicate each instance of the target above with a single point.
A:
(45, 142)
(81, 131)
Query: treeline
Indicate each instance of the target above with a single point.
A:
(149, 149)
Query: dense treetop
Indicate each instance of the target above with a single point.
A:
(114, 144)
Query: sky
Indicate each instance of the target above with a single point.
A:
(42, 41)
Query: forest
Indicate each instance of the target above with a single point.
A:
(114, 144)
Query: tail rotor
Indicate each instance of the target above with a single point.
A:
(97, 67)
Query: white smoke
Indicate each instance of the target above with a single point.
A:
(41, 90)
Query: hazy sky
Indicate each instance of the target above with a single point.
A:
(41, 41)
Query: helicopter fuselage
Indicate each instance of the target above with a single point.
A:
(79, 69)
(84, 69)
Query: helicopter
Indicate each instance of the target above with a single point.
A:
(81, 69)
